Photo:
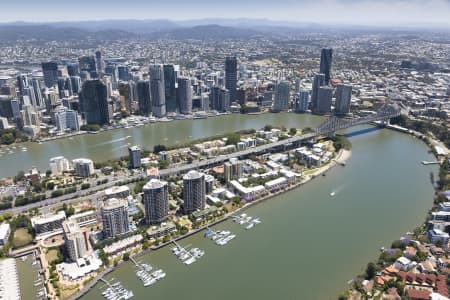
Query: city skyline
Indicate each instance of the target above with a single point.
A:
(288, 12)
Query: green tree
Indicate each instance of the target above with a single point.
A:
(20, 176)
(159, 148)
(233, 139)
(370, 270)
(293, 131)
(268, 127)
(7, 138)
(163, 164)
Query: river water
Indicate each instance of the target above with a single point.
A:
(309, 244)
(114, 143)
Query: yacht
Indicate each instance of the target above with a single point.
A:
(332, 194)
(190, 260)
(249, 226)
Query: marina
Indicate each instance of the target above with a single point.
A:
(287, 220)
(188, 257)
(221, 237)
(32, 284)
(115, 291)
(147, 274)
(247, 221)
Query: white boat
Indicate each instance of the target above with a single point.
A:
(190, 260)
(332, 194)
(250, 225)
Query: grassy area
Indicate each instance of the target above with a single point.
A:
(67, 291)
(21, 238)
(52, 255)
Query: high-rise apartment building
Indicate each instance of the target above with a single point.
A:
(115, 217)
(194, 191)
(76, 242)
(343, 98)
(324, 98)
(231, 77)
(143, 95)
(157, 90)
(184, 95)
(156, 201)
(301, 101)
(219, 99)
(50, 71)
(282, 96)
(94, 102)
(170, 88)
(134, 154)
(232, 169)
(319, 80)
(325, 64)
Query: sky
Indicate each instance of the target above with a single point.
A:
(367, 12)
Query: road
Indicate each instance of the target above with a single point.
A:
(207, 162)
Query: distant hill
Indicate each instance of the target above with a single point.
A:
(204, 32)
(51, 33)
(27, 31)
(134, 26)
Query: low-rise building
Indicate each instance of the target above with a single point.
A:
(83, 167)
(247, 193)
(436, 235)
(276, 184)
(123, 244)
(5, 231)
(122, 191)
(49, 223)
(162, 230)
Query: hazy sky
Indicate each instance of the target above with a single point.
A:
(378, 12)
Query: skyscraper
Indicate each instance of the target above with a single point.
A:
(94, 102)
(319, 80)
(155, 201)
(301, 101)
(184, 95)
(123, 73)
(73, 69)
(66, 119)
(50, 71)
(76, 241)
(325, 64)
(194, 190)
(143, 95)
(219, 99)
(282, 96)
(324, 100)
(343, 98)
(115, 217)
(87, 64)
(37, 92)
(231, 77)
(170, 91)
(232, 169)
(134, 154)
(99, 62)
(157, 91)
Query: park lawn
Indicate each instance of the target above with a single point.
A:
(21, 238)
(68, 291)
(52, 255)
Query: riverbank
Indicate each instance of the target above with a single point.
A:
(413, 247)
(341, 158)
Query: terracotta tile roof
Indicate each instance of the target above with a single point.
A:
(418, 294)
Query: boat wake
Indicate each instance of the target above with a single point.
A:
(113, 141)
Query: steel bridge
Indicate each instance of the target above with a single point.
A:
(333, 124)
(329, 126)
